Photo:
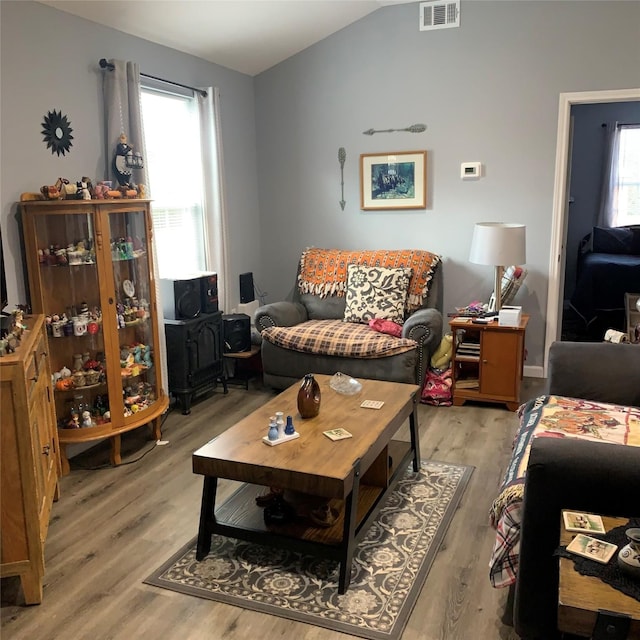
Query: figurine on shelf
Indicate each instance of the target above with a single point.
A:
(122, 170)
(74, 422)
(146, 356)
(87, 420)
(120, 312)
(83, 190)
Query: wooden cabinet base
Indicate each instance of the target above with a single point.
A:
(74, 436)
(29, 464)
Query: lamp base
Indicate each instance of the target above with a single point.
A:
(495, 302)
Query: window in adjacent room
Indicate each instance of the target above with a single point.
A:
(174, 166)
(626, 200)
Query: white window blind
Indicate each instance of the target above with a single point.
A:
(174, 167)
(627, 197)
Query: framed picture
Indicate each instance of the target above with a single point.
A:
(396, 180)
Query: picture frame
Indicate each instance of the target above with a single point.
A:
(393, 180)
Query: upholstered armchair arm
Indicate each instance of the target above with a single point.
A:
(280, 314)
(598, 371)
(425, 327)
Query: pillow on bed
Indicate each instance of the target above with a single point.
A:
(619, 240)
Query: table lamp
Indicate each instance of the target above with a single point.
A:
(499, 244)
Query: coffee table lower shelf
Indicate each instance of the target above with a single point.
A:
(239, 516)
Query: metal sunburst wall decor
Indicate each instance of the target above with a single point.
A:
(56, 130)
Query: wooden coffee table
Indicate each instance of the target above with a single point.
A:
(582, 598)
(355, 474)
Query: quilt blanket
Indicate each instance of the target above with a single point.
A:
(549, 417)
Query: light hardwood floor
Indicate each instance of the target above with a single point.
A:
(113, 526)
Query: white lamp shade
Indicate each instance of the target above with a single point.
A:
(498, 243)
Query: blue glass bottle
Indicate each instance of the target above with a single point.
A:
(273, 429)
(289, 430)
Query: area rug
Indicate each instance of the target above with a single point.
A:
(389, 566)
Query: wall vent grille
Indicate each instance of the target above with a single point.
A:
(437, 14)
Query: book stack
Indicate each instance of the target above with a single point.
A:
(468, 349)
(468, 383)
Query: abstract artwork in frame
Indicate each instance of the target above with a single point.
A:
(396, 180)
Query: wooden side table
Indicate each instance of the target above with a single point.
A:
(582, 598)
(247, 363)
(487, 361)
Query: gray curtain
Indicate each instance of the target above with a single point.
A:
(123, 114)
(608, 209)
(121, 90)
(214, 201)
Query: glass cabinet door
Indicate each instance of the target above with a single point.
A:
(69, 285)
(130, 259)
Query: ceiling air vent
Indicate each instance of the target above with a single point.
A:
(437, 14)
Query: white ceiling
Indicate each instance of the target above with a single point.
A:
(245, 35)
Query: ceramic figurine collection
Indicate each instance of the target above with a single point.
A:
(125, 161)
(10, 339)
(280, 431)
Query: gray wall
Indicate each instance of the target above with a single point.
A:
(488, 91)
(586, 172)
(49, 60)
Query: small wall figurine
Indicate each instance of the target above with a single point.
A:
(122, 171)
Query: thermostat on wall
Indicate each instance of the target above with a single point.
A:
(470, 170)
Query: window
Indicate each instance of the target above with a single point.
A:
(174, 167)
(626, 197)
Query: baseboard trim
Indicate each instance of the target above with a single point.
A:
(533, 372)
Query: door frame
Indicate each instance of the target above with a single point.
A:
(561, 202)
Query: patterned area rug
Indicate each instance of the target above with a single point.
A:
(389, 567)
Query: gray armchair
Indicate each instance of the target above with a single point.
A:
(574, 474)
(284, 366)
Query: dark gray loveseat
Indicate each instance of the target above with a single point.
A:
(284, 366)
(574, 474)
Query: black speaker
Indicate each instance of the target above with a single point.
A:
(236, 332)
(209, 292)
(181, 299)
(246, 288)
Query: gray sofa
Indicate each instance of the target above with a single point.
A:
(574, 474)
(283, 367)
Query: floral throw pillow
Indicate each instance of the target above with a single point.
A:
(376, 292)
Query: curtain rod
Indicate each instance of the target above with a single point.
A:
(622, 124)
(105, 64)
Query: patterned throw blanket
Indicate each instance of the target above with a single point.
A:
(337, 338)
(549, 417)
(323, 272)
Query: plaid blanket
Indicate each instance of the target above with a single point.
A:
(337, 338)
(323, 272)
(550, 417)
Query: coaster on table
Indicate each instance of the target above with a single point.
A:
(337, 434)
(592, 548)
(372, 404)
(583, 522)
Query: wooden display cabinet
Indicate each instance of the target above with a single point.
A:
(487, 361)
(30, 464)
(90, 262)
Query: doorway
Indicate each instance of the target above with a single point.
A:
(555, 295)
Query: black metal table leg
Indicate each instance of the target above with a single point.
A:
(415, 436)
(207, 516)
(349, 530)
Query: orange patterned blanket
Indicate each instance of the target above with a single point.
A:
(323, 272)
